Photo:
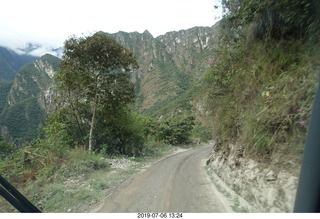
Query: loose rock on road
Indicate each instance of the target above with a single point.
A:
(177, 183)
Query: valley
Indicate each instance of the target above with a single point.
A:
(246, 85)
(169, 66)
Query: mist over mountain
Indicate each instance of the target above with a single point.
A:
(35, 49)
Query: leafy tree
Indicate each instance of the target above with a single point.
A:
(175, 131)
(94, 74)
(120, 134)
(271, 19)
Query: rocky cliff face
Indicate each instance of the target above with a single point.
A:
(169, 64)
(191, 49)
(34, 80)
(266, 186)
(28, 99)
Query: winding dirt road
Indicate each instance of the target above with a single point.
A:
(177, 183)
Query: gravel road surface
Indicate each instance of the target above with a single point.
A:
(177, 183)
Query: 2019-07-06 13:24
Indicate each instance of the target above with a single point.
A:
(159, 215)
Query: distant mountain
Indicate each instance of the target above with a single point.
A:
(5, 87)
(11, 62)
(170, 64)
(28, 99)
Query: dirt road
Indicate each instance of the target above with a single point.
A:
(177, 183)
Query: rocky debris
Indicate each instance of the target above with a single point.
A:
(120, 163)
(271, 176)
(267, 187)
(74, 183)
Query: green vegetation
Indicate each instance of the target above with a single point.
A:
(11, 62)
(62, 179)
(259, 88)
(43, 173)
(93, 92)
(174, 131)
(32, 79)
(5, 147)
(4, 90)
(56, 171)
(263, 81)
(165, 107)
(201, 132)
(91, 110)
(26, 112)
(24, 118)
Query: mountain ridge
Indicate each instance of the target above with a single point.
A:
(28, 99)
(11, 62)
(169, 66)
(170, 63)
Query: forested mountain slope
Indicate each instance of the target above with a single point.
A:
(28, 99)
(260, 91)
(11, 62)
(170, 65)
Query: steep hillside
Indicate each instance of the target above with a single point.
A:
(29, 97)
(191, 49)
(11, 62)
(169, 65)
(260, 91)
(5, 87)
(34, 80)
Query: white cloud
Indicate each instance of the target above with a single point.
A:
(51, 22)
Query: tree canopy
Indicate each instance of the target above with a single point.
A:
(94, 78)
(277, 20)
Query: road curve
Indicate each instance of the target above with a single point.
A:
(177, 183)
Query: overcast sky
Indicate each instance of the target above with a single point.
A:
(50, 23)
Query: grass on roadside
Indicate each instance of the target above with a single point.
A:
(69, 180)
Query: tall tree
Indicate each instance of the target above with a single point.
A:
(95, 72)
